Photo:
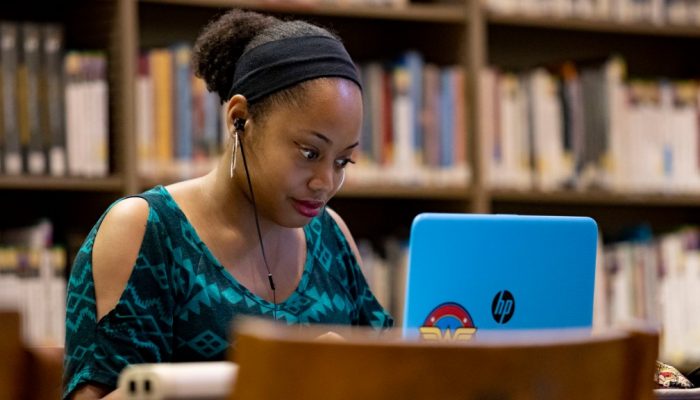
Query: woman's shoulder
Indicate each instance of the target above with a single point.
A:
(334, 218)
(130, 219)
(136, 209)
(342, 231)
(126, 211)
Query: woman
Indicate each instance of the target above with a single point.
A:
(162, 274)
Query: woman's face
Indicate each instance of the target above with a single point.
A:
(298, 161)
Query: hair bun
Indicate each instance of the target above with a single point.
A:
(221, 43)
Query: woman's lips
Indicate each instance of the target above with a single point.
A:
(307, 208)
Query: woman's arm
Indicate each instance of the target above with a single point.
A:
(114, 254)
(92, 392)
(88, 392)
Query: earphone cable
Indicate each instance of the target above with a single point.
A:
(257, 227)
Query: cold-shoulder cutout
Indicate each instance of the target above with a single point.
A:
(115, 250)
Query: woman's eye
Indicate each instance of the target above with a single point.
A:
(309, 154)
(343, 162)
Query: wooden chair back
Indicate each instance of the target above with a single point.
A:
(27, 372)
(43, 373)
(283, 362)
(12, 356)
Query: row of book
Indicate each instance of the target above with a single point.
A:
(657, 12)
(578, 126)
(180, 125)
(385, 272)
(656, 280)
(54, 105)
(32, 281)
(414, 127)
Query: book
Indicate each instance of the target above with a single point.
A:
(162, 72)
(52, 101)
(145, 124)
(545, 115)
(11, 131)
(491, 144)
(431, 116)
(215, 131)
(447, 121)
(571, 99)
(100, 101)
(73, 110)
(200, 147)
(182, 108)
(680, 108)
(364, 153)
(30, 106)
(87, 113)
(414, 64)
(515, 148)
(460, 173)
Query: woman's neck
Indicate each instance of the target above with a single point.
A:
(231, 209)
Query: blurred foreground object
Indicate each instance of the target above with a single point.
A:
(27, 372)
(278, 361)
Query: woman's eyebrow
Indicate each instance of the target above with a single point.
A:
(329, 141)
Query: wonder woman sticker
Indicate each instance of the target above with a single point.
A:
(448, 321)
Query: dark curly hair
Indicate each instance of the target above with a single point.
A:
(222, 42)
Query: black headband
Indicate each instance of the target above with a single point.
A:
(277, 65)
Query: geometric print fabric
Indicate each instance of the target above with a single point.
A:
(179, 301)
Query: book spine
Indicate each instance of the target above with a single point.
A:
(53, 99)
(460, 125)
(71, 69)
(162, 72)
(9, 55)
(430, 116)
(145, 127)
(31, 110)
(182, 82)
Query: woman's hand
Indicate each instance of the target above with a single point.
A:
(330, 336)
(91, 392)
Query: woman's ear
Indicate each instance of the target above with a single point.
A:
(236, 109)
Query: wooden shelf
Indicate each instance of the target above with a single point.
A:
(387, 191)
(23, 182)
(405, 192)
(441, 13)
(597, 198)
(590, 25)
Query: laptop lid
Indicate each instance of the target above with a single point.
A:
(470, 273)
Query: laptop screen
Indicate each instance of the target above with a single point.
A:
(471, 273)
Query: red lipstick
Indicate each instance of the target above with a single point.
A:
(307, 208)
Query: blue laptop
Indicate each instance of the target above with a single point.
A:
(478, 273)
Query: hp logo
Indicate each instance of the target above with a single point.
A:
(503, 307)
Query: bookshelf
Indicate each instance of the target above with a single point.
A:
(466, 34)
(592, 25)
(555, 39)
(462, 33)
(441, 13)
(437, 31)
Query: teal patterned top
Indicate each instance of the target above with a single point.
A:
(179, 300)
